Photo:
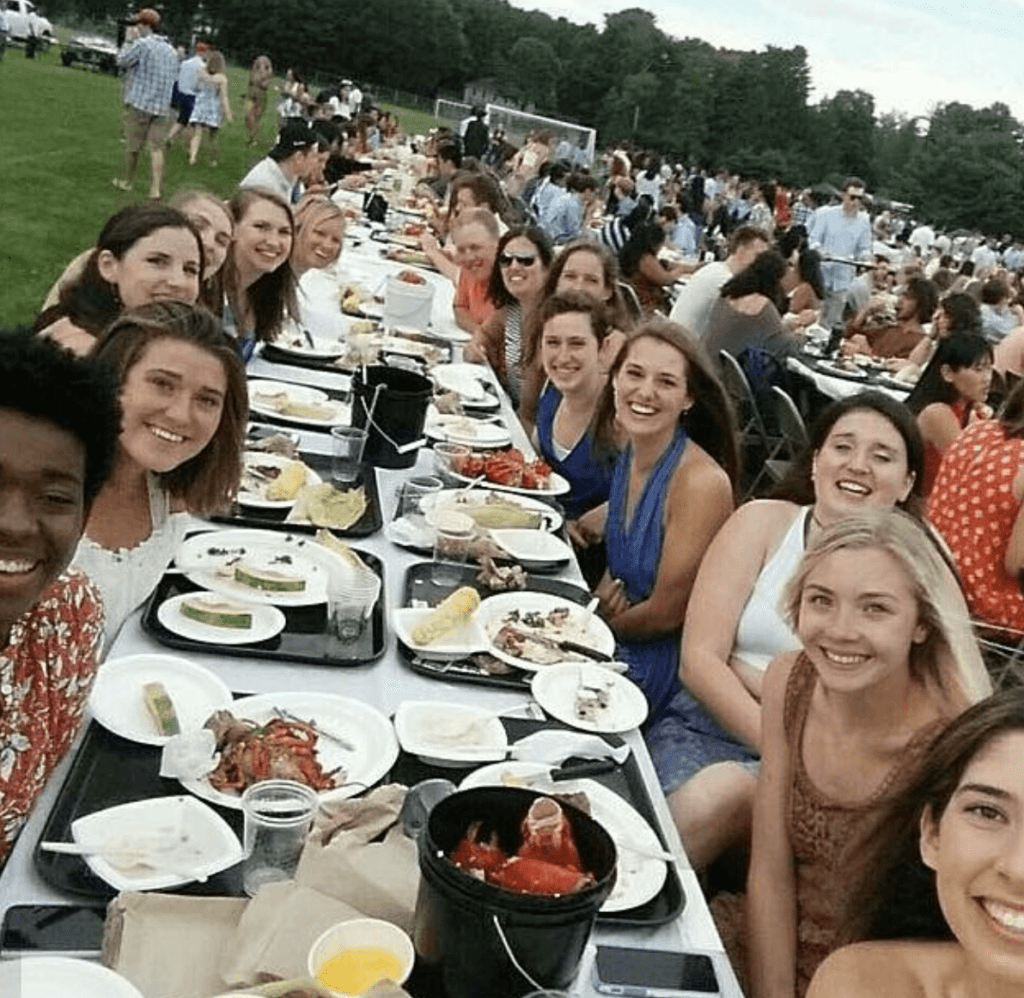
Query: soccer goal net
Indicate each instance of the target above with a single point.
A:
(575, 143)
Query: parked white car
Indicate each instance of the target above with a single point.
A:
(23, 22)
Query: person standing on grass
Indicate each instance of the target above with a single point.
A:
(185, 89)
(211, 107)
(154, 69)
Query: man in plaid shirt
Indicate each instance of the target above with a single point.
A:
(153, 66)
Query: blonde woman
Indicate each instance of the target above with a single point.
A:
(888, 659)
(211, 107)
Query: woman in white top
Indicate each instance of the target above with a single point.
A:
(184, 408)
(211, 107)
(865, 453)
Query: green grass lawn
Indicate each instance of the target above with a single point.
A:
(60, 149)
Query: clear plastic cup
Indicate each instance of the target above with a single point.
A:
(453, 533)
(444, 455)
(348, 445)
(410, 506)
(278, 816)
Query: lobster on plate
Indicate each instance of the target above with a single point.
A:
(278, 750)
(506, 467)
(547, 862)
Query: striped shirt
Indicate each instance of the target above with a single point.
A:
(154, 66)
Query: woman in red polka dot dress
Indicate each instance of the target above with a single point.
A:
(976, 505)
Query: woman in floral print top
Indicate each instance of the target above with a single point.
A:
(58, 428)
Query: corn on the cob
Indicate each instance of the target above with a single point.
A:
(160, 707)
(499, 516)
(448, 616)
(288, 483)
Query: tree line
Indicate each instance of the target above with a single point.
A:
(746, 111)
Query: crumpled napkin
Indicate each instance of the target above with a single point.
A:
(554, 747)
(190, 755)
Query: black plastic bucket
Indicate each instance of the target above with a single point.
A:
(456, 914)
(398, 417)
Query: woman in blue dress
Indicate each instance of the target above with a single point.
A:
(576, 352)
(671, 491)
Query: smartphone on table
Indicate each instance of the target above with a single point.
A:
(649, 973)
(74, 930)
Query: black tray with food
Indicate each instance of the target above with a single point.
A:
(305, 637)
(483, 669)
(108, 770)
(625, 780)
(370, 522)
(278, 355)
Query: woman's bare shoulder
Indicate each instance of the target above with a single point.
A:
(888, 969)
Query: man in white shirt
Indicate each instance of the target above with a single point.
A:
(693, 305)
(840, 232)
(289, 165)
(185, 95)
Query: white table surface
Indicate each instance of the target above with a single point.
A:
(385, 684)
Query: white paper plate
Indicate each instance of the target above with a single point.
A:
(533, 545)
(295, 393)
(211, 845)
(471, 382)
(467, 640)
(207, 559)
(554, 688)
(322, 348)
(639, 877)
(465, 430)
(557, 486)
(451, 333)
(494, 608)
(367, 729)
(261, 458)
(61, 977)
(444, 733)
(267, 621)
(827, 367)
(459, 501)
(117, 700)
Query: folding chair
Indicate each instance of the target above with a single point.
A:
(755, 444)
(631, 300)
(793, 435)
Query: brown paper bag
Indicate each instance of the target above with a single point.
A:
(276, 931)
(169, 946)
(341, 860)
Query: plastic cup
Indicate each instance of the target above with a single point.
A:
(452, 535)
(350, 604)
(410, 505)
(349, 443)
(278, 815)
(444, 455)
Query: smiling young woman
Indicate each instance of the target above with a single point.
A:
(258, 286)
(888, 659)
(58, 431)
(671, 490)
(184, 408)
(145, 253)
(941, 896)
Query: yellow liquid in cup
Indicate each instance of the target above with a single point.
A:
(356, 970)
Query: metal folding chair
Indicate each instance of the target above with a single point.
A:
(755, 444)
(792, 438)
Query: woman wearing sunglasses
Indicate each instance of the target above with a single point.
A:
(524, 257)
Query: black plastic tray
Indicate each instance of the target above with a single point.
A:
(626, 780)
(304, 638)
(276, 355)
(108, 770)
(419, 585)
(369, 523)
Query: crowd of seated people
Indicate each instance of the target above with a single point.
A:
(808, 658)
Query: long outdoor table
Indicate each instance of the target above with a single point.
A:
(385, 684)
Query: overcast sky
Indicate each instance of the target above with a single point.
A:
(910, 54)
